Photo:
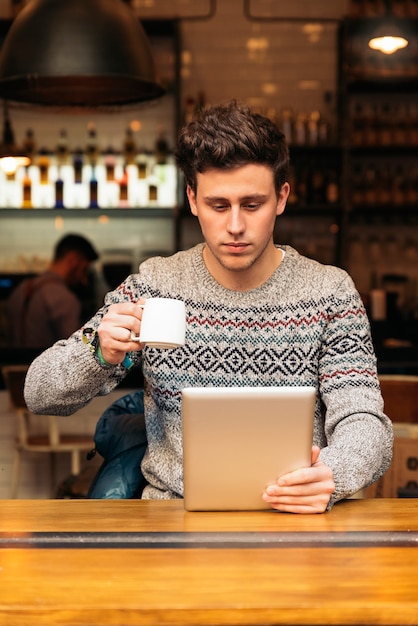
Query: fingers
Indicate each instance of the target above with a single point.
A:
(115, 329)
(316, 485)
(315, 454)
(306, 506)
(306, 490)
(120, 320)
(298, 500)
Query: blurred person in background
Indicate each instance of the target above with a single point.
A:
(46, 308)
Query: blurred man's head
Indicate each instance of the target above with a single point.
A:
(73, 256)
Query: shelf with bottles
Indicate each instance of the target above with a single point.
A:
(379, 136)
(315, 178)
(383, 184)
(380, 246)
(87, 181)
(383, 121)
(318, 239)
(99, 214)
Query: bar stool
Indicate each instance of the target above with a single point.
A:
(46, 439)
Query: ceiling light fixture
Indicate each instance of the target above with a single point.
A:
(388, 38)
(77, 53)
(388, 44)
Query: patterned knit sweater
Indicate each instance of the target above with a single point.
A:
(306, 325)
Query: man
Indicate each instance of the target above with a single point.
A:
(43, 309)
(257, 314)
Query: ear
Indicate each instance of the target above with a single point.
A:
(282, 198)
(191, 196)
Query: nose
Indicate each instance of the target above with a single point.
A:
(236, 223)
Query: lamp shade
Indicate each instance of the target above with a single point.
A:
(77, 53)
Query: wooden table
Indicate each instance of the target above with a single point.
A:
(123, 563)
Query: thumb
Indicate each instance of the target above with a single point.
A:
(315, 454)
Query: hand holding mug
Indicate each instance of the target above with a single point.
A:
(156, 322)
(120, 320)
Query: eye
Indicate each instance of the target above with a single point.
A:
(252, 206)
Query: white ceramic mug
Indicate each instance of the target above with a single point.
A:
(163, 323)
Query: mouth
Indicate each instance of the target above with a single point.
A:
(236, 247)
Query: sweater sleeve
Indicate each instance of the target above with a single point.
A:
(359, 435)
(66, 376)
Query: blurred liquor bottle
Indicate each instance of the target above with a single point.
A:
(129, 147)
(29, 143)
(27, 190)
(61, 149)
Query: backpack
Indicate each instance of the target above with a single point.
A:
(120, 438)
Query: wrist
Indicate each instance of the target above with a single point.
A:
(91, 339)
(99, 356)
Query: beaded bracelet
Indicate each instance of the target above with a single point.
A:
(91, 339)
(100, 358)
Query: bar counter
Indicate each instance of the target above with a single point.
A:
(79, 562)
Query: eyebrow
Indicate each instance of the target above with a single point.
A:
(254, 196)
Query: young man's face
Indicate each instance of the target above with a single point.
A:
(237, 210)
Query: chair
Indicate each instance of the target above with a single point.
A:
(49, 440)
(400, 394)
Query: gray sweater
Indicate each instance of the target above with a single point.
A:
(306, 325)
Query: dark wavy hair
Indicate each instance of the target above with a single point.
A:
(77, 243)
(230, 135)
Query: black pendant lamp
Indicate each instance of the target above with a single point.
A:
(77, 53)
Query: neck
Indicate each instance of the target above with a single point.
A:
(244, 279)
